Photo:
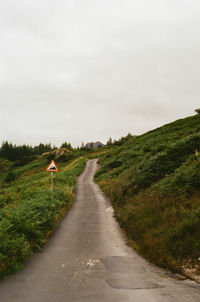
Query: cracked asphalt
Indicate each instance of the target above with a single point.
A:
(87, 259)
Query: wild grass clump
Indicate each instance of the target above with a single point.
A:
(23, 229)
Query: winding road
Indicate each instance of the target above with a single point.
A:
(87, 259)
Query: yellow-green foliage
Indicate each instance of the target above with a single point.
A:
(29, 211)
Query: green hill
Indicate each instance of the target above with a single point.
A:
(153, 182)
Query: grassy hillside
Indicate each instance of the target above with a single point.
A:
(28, 210)
(153, 181)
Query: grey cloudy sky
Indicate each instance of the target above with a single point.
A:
(84, 70)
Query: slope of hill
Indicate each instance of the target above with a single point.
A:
(153, 181)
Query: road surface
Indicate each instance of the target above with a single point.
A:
(87, 259)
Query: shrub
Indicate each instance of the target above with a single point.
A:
(50, 157)
(165, 162)
(111, 164)
(65, 157)
(10, 176)
(183, 241)
(23, 161)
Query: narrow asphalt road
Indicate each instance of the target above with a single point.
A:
(87, 260)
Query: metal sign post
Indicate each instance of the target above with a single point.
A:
(52, 168)
(51, 181)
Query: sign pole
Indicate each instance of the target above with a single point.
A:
(52, 168)
(51, 181)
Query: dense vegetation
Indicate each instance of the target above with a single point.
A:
(28, 210)
(23, 154)
(13, 152)
(153, 181)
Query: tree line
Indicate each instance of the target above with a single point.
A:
(13, 152)
(120, 141)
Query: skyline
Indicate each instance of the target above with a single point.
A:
(84, 142)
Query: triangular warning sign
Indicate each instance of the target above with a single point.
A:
(52, 167)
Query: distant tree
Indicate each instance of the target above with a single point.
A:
(10, 151)
(197, 110)
(41, 148)
(13, 152)
(123, 139)
(6, 150)
(129, 135)
(109, 142)
(66, 145)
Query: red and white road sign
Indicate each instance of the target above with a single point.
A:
(52, 167)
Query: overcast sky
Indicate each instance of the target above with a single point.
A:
(87, 70)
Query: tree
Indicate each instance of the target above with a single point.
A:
(13, 152)
(66, 145)
(41, 148)
(7, 151)
(197, 110)
(109, 142)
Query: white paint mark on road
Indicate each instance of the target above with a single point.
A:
(109, 209)
(92, 263)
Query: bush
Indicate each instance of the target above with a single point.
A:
(65, 157)
(111, 164)
(10, 176)
(23, 161)
(24, 229)
(165, 162)
(50, 157)
(183, 241)
(197, 111)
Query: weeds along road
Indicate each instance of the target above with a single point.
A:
(87, 260)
